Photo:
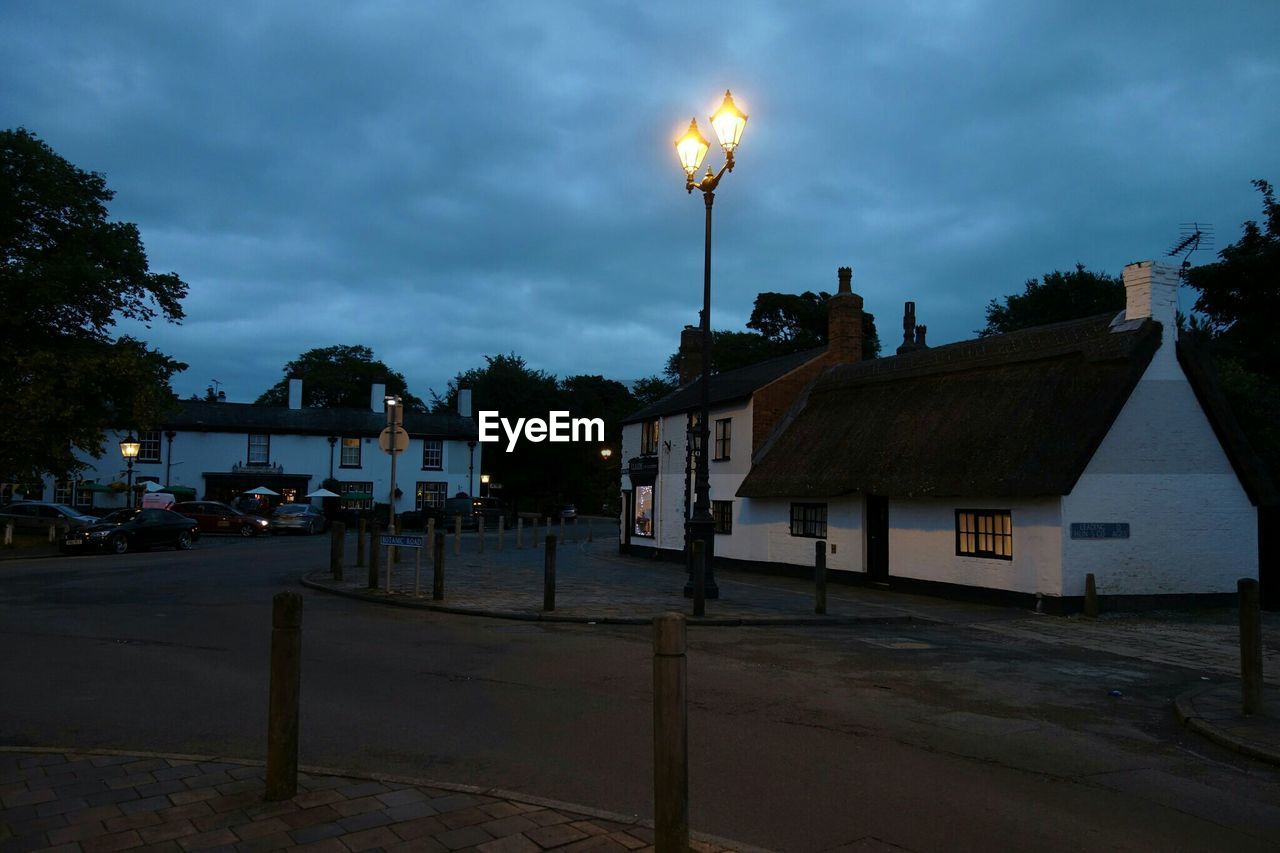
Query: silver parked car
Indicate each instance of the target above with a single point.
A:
(40, 514)
(303, 518)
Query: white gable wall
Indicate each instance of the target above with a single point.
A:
(922, 545)
(762, 532)
(1162, 470)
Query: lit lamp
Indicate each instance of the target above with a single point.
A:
(484, 483)
(728, 122)
(606, 453)
(129, 449)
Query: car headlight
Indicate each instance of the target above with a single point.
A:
(99, 534)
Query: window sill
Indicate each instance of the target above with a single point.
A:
(350, 467)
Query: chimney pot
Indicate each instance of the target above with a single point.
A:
(378, 397)
(295, 393)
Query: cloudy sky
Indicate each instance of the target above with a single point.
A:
(442, 181)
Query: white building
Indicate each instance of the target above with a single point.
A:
(1014, 464)
(217, 451)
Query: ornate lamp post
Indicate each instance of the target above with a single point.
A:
(129, 448)
(728, 122)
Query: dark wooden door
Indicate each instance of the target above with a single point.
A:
(877, 532)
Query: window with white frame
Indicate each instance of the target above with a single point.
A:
(984, 533)
(84, 494)
(356, 494)
(432, 454)
(431, 495)
(809, 520)
(149, 451)
(350, 453)
(259, 449)
(62, 492)
(723, 434)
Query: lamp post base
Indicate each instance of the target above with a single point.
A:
(701, 529)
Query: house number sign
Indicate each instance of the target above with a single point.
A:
(1100, 530)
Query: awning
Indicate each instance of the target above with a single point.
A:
(180, 490)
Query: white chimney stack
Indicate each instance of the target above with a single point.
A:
(378, 397)
(1151, 291)
(295, 393)
(464, 402)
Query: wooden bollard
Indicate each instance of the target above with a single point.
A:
(561, 528)
(360, 545)
(8, 533)
(591, 527)
(1090, 596)
(670, 734)
(699, 578)
(480, 531)
(519, 534)
(549, 575)
(820, 577)
(285, 691)
(502, 530)
(337, 544)
(431, 531)
(457, 535)
(373, 555)
(1250, 645)
(437, 576)
(53, 533)
(417, 568)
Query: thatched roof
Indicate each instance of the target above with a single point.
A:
(1016, 415)
(725, 387)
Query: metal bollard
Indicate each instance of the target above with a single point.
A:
(457, 535)
(360, 545)
(285, 691)
(670, 734)
(337, 544)
(1250, 645)
(373, 555)
(820, 577)
(549, 576)
(1090, 596)
(699, 578)
(437, 577)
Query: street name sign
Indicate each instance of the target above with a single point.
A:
(402, 541)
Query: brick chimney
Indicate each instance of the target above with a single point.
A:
(844, 322)
(295, 393)
(1151, 291)
(690, 357)
(912, 334)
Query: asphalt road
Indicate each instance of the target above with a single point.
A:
(925, 737)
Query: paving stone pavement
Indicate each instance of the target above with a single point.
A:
(1215, 711)
(92, 802)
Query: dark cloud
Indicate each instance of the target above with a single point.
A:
(448, 180)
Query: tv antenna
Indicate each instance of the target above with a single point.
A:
(1193, 237)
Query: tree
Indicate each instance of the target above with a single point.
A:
(650, 390)
(66, 275)
(339, 377)
(1057, 297)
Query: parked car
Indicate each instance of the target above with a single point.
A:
(134, 530)
(568, 512)
(491, 509)
(215, 517)
(303, 518)
(40, 514)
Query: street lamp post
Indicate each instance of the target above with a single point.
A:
(728, 122)
(129, 447)
(471, 470)
(484, 485)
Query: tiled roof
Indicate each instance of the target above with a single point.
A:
(725, 387)
(248, 417)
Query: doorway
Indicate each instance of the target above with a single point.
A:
(877, 535)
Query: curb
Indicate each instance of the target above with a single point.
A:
(500, 793)
(1184, 709)
(558, 618)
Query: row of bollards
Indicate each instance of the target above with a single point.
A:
(670, 713)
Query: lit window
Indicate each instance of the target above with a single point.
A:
(984, 533)
(433, 454)
(644, 511)
(809, 520)
(649, 438)
(350, 453)
(356, 495)
(431, 495)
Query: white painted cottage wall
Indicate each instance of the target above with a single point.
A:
(762, 531)
(922, 545)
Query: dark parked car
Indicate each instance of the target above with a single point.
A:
(215, 517)
(303, 518)
(568, 512)
(40, 514)
(134, 530)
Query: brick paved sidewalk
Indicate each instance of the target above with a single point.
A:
(94, 802)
